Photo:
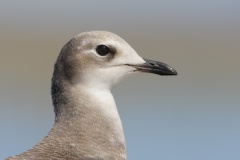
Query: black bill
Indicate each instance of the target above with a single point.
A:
(155, 67)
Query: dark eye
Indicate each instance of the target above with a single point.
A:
(102, 50)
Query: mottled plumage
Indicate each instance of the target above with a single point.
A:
(87, 124)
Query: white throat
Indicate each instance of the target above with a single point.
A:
(102, 101)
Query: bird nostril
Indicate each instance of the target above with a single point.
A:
(151, 64)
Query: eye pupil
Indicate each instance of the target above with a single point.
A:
(102, 50)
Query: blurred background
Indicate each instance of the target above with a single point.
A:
(192, 116)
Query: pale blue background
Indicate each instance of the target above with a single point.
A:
(194, 116)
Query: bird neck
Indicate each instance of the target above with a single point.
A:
(89, 116)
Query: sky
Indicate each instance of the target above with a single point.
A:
(192, 116)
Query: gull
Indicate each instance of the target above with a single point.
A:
(87, 124)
